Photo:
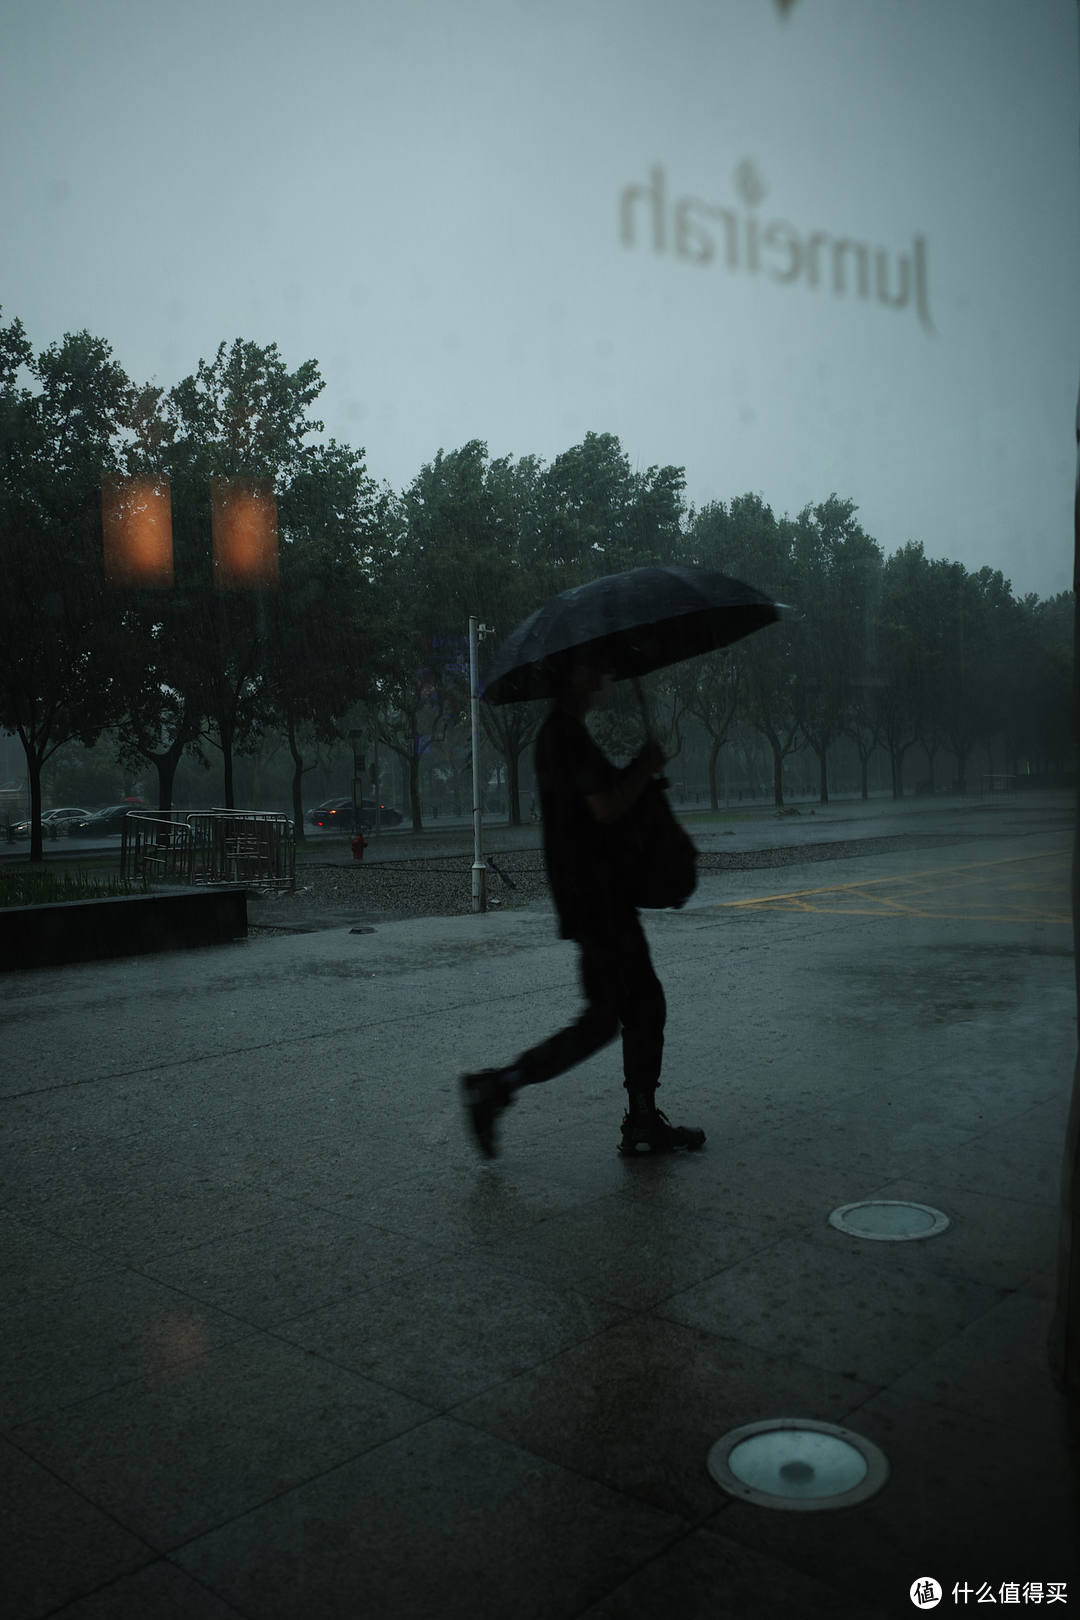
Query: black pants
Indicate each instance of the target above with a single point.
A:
(621, 989)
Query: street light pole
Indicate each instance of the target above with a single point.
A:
(376, 789)
(356, 738)
(479, 869)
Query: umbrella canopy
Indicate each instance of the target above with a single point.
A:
(631, 623)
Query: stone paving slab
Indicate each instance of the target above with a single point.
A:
(277, 1343)
(444, 1521)
(629, 1406)
(184, 1449)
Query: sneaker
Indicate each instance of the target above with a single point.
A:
(654, 1133)
(485, 1096)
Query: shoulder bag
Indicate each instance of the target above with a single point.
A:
(656, 857)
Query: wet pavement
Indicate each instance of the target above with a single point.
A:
(278, 1344)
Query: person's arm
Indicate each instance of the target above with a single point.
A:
(632, 782)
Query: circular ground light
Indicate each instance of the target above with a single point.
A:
(797, 1464)
(889, 1220)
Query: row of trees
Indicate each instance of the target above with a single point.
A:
(366, 630)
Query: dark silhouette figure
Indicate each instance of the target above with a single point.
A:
(583, 796)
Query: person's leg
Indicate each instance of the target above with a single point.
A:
(488, 1093)
(620, 987)
(593, 1028)
(643, 1013)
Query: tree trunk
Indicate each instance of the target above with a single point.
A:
(297, 780)
(298, 796)
(896, 760)
(414, 789)
(33, 776)
(166, 765)
(166, 772)
(777, 774)
(714, 759)
(227, 763)
(864, 775)
(961, 770)
(823, 774)
(513, 788)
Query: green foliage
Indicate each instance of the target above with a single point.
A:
(219, 666)
(58, 627)
(322, 650)
(244, 414)
(744, 539)
(596, 515)
(368, 627)
(39, 886)
(86, 776)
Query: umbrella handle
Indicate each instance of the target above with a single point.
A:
(642, 704)
(662, 781)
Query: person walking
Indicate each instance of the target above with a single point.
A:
(583, 796)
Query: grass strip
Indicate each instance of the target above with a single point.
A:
(37, 886)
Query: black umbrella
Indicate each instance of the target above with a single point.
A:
(630, 623)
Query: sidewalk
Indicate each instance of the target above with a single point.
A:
(751, 825)
(278, 1344)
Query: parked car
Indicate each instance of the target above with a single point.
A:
(330, 812)
(60, 822)
(105, 823)
(339, 814)
(54, 823)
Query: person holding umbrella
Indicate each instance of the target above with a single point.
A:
(621, 625)
(583, 796)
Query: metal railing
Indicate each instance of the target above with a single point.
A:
(155, 847)
(211, 846)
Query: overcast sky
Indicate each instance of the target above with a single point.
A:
(425, 196)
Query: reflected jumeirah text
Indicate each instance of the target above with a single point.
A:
(701, 232)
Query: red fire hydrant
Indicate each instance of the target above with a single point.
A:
(359, 844)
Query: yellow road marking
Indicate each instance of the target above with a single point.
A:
(928, 885)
